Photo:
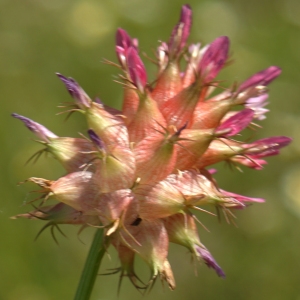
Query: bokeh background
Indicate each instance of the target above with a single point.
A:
(261, 256)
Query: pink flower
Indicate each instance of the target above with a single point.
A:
(180, 32)
(82, 100)
(136, 69)
(237, 122)
(262, 78)
(141, 173)
(39, 130)
(123, 43)
(214, 59)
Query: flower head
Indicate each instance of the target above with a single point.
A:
(142, 172)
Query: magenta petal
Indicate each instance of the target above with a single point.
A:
(214, 58)
(136, 68)
(268, 146)
(77, 93)
(96, 139)
(212, 171)
(39, 130)
(121, 54)
(181, 31)
(71, 85)
(263, 77)
(123, 43)
(209, 260)
(123, 39)
(186, 19)
(275, 141)
(237, 122)
(250, 161)
(242, 198)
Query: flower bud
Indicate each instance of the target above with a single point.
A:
(72, 153)
(197, 188)
(241, 198)
(150, 241)
(249, 161)
(78, 94)
(39, 130)
(253, 152)
(136, 69)
(123, 43)
(77, 190)
(163, 200)
(209, 260)
(219, 150)
(214, 59)
(181, 31)
(178, 193)
(267, 146)
(237, 122)
(182, 230)
(262, 78)
(169, 81)
(195, 55)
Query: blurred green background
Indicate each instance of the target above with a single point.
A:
(261, 258)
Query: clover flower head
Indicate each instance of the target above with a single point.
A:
(142, 172)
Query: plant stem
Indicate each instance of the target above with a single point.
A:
(91, 267)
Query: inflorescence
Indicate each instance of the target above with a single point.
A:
(144, 170)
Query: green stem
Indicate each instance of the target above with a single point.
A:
(91, 267)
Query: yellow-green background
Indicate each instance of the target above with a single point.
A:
(261, 257)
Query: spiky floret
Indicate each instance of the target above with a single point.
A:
(141, 172)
